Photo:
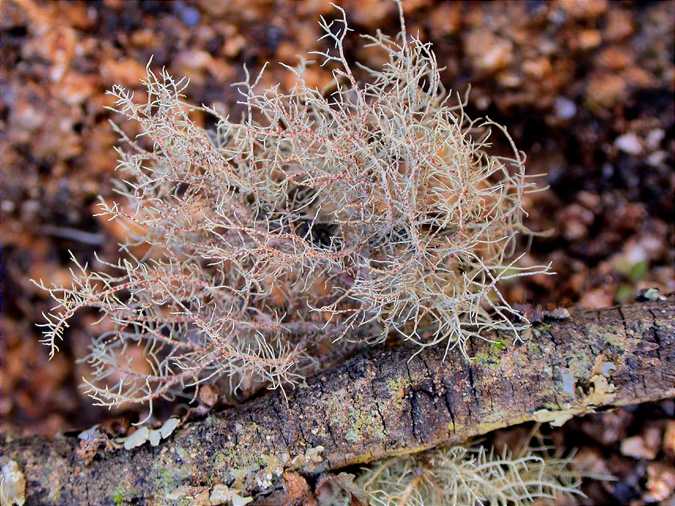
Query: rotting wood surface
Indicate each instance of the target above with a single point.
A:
(376, 405)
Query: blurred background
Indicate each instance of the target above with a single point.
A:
(584, 86)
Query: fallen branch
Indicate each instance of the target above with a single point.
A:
(377, 405)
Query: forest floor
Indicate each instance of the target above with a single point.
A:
(585, 88)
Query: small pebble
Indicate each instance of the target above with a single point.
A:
(629, 143)
(188, 15)
(643, 446)
(656, 158)
(564, 108)
(654, 138)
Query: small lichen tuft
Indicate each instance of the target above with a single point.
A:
(461, 476)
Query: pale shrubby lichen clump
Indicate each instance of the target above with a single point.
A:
(460, 476)
(370, 204)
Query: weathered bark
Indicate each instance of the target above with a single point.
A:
(377, 404)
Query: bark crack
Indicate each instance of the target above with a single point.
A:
(447, 400)
(377, 405)
(629, 362)
(472, 389)
(623, 321)
(655, 333)
(412, 400)
(329, 429)
(280, 429)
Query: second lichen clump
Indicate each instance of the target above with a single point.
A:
(368, 204)
(460, 476)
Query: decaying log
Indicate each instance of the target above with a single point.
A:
(375, 405)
